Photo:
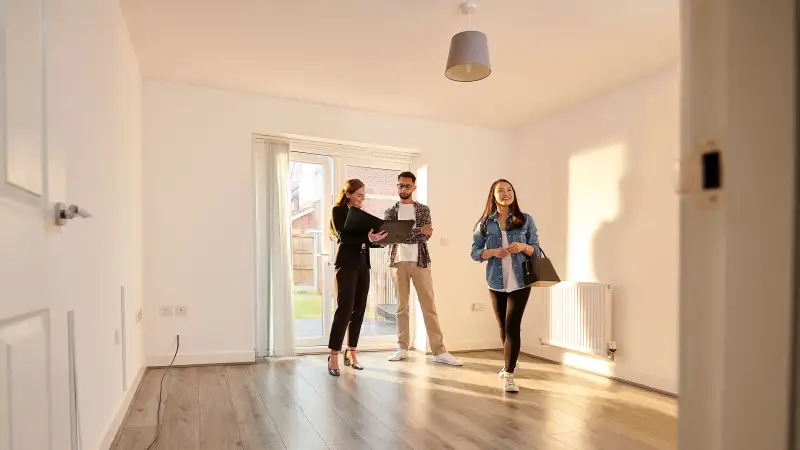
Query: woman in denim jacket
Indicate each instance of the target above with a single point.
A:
(505, 237)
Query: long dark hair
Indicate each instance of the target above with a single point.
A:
(350, 187)
(514, 213)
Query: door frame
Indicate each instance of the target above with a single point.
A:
(794, 413)
(737, 300)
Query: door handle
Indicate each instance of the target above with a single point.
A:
(323, 255)
(64, 213)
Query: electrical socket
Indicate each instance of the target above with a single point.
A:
(478, 307)
(166, 311)
(139, 315)
(180, 311)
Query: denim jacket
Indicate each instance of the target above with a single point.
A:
(493, 239)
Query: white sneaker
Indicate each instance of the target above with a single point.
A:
(399, 355)
(447, 358)
(503, 371)
(510, 383)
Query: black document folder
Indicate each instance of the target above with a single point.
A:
(360, 221)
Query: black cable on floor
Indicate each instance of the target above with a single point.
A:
(161, 392)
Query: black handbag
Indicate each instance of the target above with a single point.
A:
(539, 271)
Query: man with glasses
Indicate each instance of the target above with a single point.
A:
(411, 261)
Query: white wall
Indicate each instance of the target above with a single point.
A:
(94, 120)
(598, 180)
(198, 210)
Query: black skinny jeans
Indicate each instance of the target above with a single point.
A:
(352, 285)
(509, 308)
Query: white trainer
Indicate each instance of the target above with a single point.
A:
(447, 358)
(503, 371)
(399, 355)
(510, 385)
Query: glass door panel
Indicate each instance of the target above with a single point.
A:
(310, 179)
(380, 179)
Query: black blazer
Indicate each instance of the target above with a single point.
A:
(348, 253)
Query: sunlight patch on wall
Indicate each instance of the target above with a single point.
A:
(594, 178)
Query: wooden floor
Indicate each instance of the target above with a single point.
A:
(416, 404)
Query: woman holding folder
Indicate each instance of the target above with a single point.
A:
(352, 267)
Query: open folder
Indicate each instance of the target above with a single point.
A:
(360, 221)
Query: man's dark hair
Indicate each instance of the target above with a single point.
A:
(407, 175)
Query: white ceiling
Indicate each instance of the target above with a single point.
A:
(389, 56)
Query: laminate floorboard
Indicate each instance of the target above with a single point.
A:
(292, 403)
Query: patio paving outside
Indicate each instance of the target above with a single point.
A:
(312, 328)
(308, 318)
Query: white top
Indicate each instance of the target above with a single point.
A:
(407, 252)
(509, 278)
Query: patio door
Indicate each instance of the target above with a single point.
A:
(311, 180)
(314, 181)
(380, 178)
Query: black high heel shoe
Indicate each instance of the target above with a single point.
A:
(347, 361)
(332, 372)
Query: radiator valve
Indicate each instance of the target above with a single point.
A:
(612, 350)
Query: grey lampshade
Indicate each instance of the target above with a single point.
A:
(469, 57)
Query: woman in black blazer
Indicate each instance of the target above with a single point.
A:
(352, 277)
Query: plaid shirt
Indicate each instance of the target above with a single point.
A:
(423, 217)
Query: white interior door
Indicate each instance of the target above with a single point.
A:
(32, 329)
(380, 178)
(311, 178)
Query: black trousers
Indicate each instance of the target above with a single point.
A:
(351, 301)
(509, 308)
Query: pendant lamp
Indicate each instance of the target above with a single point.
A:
(468, 59)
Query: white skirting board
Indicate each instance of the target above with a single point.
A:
(469, 346)
(122, 410)
(199, 359)
(474, 345)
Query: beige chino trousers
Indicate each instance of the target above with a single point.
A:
(404, 273)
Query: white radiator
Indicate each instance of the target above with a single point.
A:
(577, 317)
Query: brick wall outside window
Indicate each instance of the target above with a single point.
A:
(377, 181)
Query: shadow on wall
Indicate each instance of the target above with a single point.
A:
(603, 191)
(636, 251)
(612, 243)
(621, 229)
(594, 199)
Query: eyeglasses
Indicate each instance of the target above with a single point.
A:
(404, 186)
